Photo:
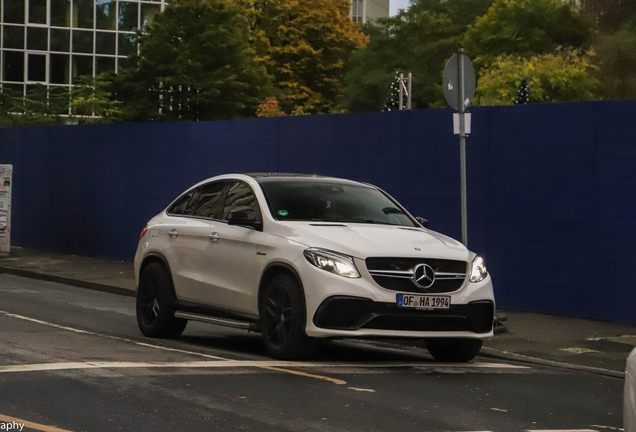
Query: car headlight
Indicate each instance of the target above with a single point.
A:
(333, 262)
(478, 270)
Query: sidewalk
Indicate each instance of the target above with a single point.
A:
(574, 343)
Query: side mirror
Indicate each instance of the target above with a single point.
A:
(245, 217)
(424, 222)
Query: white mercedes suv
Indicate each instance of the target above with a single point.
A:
(299, 258)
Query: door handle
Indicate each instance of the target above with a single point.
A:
(173, 233)
(215, 236)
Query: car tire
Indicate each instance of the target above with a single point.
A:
(283, 319)
(453, 350)
(155, 304)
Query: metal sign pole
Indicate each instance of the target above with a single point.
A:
(459, 84)
(462, 147)
(408, 96)
(401, 91)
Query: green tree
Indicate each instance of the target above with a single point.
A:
(559, 77)
(307, 46)
(526, 28)
(195, 62)
(91, 102)
(419, 40)
(41, 106)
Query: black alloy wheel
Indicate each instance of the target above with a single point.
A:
(148, 300)
(155, 304)
(283, 320)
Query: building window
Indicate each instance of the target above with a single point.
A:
(60, 40)
(13, 66)
(13, 37)
(61, 13)
(148, 12)
(127, 44)
(83, 13)
(128, 16)
(37, 67)
(37, 38)
(104, 64)
(59, 69)
(105, 43)
(82, 41)
(356, 11)
(14, 11)
(37, 12)
(106, 13)
(82, 65)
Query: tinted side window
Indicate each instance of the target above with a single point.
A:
(240, 196)
(211, 200)
(179, 207)
(192, 203)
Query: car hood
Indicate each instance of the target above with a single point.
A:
(369, 240)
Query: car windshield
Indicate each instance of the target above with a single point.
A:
(332, 202)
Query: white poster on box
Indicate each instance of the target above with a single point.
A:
(6, 179)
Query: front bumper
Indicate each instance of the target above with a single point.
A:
(341, 307)
(353, 313)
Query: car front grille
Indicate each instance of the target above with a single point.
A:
(396, 274)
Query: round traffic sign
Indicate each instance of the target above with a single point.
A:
(452, 79)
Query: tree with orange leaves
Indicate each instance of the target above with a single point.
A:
(307, 46)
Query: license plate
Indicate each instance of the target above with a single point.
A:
(423, 301)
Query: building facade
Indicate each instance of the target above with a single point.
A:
(52, 42)
(368, 11)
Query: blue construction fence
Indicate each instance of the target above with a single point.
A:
(551, 187)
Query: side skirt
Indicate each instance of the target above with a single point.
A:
(217, 316)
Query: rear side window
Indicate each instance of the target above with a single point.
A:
(211, 200)
(180, 206)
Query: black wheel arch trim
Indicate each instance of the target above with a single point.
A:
(152, 256)
(288, 268)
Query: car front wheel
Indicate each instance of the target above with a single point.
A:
(283, 318)
(155, 304)
(453, 350)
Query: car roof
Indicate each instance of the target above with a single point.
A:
(270, 177)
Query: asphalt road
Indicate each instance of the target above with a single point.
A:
(73, 360)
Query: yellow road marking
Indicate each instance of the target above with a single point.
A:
(293, 372)
(31, 425)
(361, 389)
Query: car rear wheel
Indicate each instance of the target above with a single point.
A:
(283, 320)
(155, 304)
(453, 350)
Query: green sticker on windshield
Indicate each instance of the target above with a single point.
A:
(283, 212)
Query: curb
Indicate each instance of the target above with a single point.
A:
(68, 281)
(506, 355)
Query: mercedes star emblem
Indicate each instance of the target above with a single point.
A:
(424, 276)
